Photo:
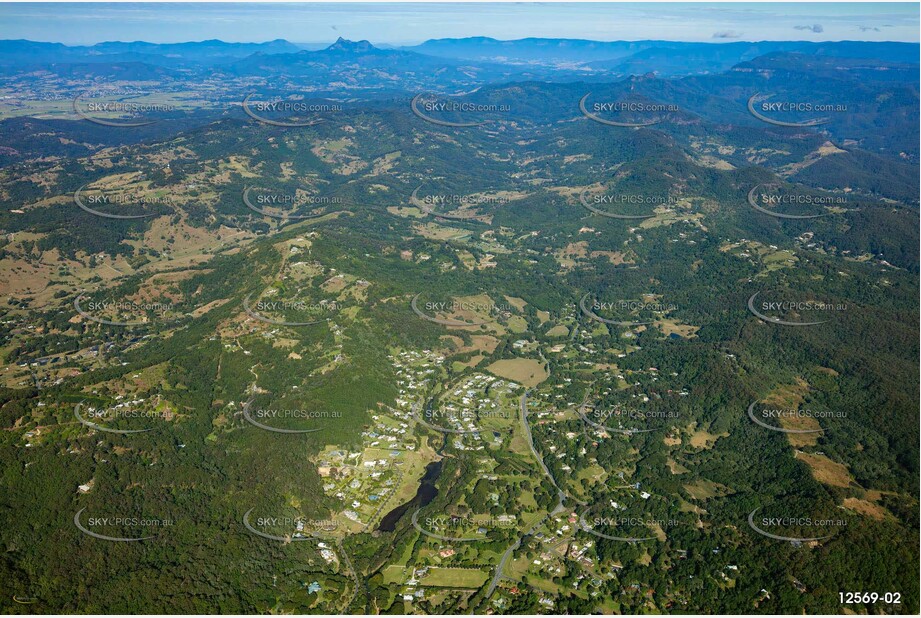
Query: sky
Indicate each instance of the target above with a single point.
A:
(407, 23)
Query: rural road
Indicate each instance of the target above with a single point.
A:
(562, 496)
(527, 432)
(348, 564)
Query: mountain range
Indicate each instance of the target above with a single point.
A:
(614, 57)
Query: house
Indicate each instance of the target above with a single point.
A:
(328, 555)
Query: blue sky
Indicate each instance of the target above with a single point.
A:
(87, 23)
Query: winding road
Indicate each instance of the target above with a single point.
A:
(348, 564)
(562, 496)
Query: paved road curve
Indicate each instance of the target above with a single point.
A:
(562, 496)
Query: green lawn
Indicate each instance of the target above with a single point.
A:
(454, 578)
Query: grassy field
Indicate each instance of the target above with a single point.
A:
(527, 371)
(454, 578)
(701, 438)
(517, 324)
(63, 108)
(792, 396)
(395, 574)
(702, 489)
(669, 326)
(433, 231)
(826, 471)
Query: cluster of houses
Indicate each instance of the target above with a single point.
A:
(470, 405)
(365, 479)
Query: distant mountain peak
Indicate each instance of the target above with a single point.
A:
(351, 46)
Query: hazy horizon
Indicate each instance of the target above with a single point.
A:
(408, 24)
(311, 45)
